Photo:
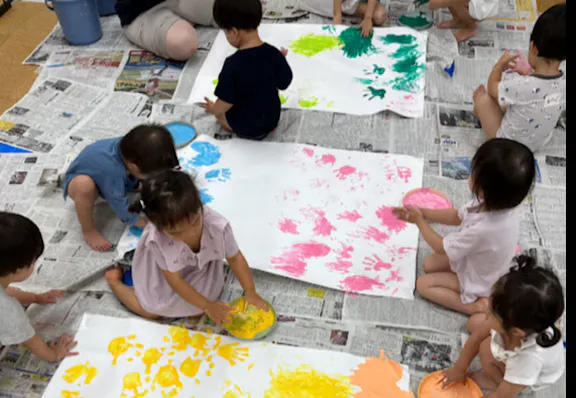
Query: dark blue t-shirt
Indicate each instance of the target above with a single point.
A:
(250, 80)
(129, 10)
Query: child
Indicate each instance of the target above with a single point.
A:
(178, 269)
(248, 102)
(461, 18)
(466, 264)
(111, 168)
(526, 109)
(519, 343)
(21, 244)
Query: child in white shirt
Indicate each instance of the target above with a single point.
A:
(519, 343)
(465, 264)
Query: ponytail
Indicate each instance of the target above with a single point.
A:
(544, 339)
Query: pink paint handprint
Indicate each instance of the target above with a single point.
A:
(404, 173)
(389, 220)
(294, 260)
(351, 216)
(288, 226)
(327, 159)
(375, 263)
(344, 172)
(308, 152)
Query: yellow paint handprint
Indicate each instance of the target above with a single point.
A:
(133, 383)
(80, 370)
(232, 353)
(117, 347)
(167, 377)
(151, 357)
(190, 367)
(182, 339)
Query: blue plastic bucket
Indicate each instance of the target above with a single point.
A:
(106, 7)
(79, 20)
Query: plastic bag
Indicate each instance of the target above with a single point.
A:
(483, 9)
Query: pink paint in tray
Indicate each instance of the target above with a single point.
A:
(427, 198)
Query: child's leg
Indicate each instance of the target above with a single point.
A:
(488, 111)
(467, 23)
(437, 263)
(82, 190)
(126, 294)
(493, 371)
(475, 321)
(378, 17)
(443, 288)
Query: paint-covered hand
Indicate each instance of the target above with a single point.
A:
(218, 311)
(520, 66)
(507, 60)
(284, 51)
(208, 106)
(366, 26)
(49, 297)
(452, 375)
(409, 214)
(254, 299)
(63, 347)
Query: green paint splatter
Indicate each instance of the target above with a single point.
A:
(415, 20)
(398, 39)
(354, 45)
(408, 65)
(308, 103)
(329, 28)
(365, 81)
(378, 70)
(375, 92)
(329, 105)
(311, 44)
(406, 52)
(411, 71)
(283, 99)
(215, 81)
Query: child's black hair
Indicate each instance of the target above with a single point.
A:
(549, 33)
(503, 172)
(168, 198)
(21, 243)
(239, 14)
(150, 147)
(531, 299)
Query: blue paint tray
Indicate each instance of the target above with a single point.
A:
(182, 133)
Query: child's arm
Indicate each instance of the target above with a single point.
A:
(283, 71)
(216, 310)
(415, 216)
(444, 216)
(26, 298)
(367, 24)
(240, 267)
(504, 63)
(337, 12)
(217, 108)
(54, 352)
(120, 205)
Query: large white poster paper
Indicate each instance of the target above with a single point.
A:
(135, 358)
(337, 70)
(310, 213)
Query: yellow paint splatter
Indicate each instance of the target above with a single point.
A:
(140, 346)
(208, 373)
(81, 370)
(232, 353)
(167, 377)
(129, 359)
(251, 366)
(132, 337)
(307, 382)
(147, 379)
(133, 383)
(197, 382)
(151, 357)
(117, 347)
(171, 353)
(138, 354)
(247, 324)
(166, 339)
(234, 391)
(190, 367)
(212, 365)
(70, 394)
(182, 339)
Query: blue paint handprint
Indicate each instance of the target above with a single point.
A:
(205, 197)
(221, 175)
(208, 154)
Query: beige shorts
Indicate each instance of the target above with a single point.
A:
(149, 30)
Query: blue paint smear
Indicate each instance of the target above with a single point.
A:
(221, 175)
(5, 148)
(137, 232)
(212, 174)
(208, 154)
(205, 197)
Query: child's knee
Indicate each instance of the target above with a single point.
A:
(82, 186)
(379, 17)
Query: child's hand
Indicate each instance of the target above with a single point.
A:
(49, 297)
(520, 66)
(506, 61)
(254, 299)
(409, 214)
(208, 106)
(366, 27)
(218, 311)
(284, 51)
(452, 375)
(63, 347)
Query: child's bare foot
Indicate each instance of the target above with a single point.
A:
(484, 381)
(96, 241)
(114, 276)
(465, 33)
(452, 24)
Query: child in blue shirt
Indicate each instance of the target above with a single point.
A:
(248, 102)
(113, 167)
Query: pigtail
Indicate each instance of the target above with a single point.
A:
(137, 207)
(523, 263)
(544, 339)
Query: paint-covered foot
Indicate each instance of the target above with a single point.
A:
(452, 24)
(484, 381)
(465, 33)
(97, 242)
(114, 276)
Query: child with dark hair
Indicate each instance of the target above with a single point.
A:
(526, 109)
(518, 341)
(21, 244)
(178, 268)
(111, 168)
(465, 264)
(248, 101)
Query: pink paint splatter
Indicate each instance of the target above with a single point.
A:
(351, 216)
(375, 263)
(288, 226)
(340, 265)
(398, 251)
(292, 261)
(308, 152)
(345, 251)
(427, 198)
(318, 183)
(389, 220)
(408, 97)
(290, 193)
(375, 234)
(344, 172)
(404, 173)
(518, 249)
(327, 159)
(322, 226)
(394, 277)
(359, 283)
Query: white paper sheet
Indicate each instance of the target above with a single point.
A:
(166, 360)
(310, 213)
(348, 76)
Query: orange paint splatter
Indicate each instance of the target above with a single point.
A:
(431, 387)
(378, 377)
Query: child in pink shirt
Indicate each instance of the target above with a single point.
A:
(465, 264)
(178, 268)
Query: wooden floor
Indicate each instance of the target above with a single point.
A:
(24, 26)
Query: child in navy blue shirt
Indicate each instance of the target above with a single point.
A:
(111, 168)
(248, 102)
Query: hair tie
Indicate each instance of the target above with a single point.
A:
(142, 204)
(177, 168)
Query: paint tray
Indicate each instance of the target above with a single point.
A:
(431, 387)
(182, 133)
(416, 20)
(432, 191)
(261, 334)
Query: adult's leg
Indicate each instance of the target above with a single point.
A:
(379, 16)
(437, 263)
(488, 111)
(83, 191)
(126, 294)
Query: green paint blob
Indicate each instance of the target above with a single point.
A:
(398, 39)
(412, 72)
(354, 45)
(365, 81)
(375, 92)
(408, 65)
(330, 104)
(311, 44)
(406, 52)
(215, 81)
(378, 70)
(283, 99)
(308, 103)
(329, 28)
(419, 20)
